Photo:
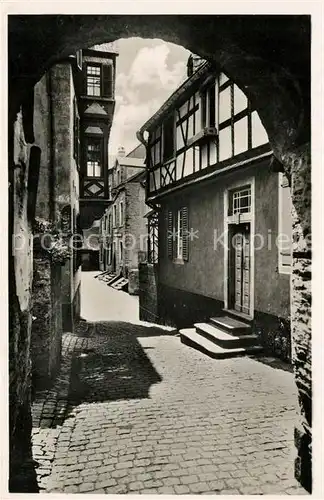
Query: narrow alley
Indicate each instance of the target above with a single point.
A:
(135, 411)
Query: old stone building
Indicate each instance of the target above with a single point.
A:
(123, 226)
(96, 102)
(56, 281)
(269, 57)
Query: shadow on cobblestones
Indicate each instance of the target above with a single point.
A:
(113, 365)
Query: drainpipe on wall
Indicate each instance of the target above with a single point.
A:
(140, 137)
(52, 149)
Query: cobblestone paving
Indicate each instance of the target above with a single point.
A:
(135, 411)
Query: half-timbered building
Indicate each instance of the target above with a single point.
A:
(96, 104)
(224, 219)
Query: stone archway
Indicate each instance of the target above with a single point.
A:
(269, 57)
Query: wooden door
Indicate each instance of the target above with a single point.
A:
(241, 265)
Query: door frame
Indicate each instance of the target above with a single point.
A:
(230, 220)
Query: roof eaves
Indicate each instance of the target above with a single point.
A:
(174, 97)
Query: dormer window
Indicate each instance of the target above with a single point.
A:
(208, 108)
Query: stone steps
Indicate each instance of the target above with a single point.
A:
(224, 339)
(192, 338)
(112, 280)
(231, 325)
(120, 284)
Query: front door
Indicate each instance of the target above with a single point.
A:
(240, 266)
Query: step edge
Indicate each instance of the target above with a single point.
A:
(218, 348)
(227, 336)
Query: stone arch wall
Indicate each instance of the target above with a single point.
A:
(269, 57)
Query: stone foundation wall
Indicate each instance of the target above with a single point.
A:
(22, 474)
(47, 321)
(274, 335)
(298, 165)
(182, 309)
(133, 282)
(148, 293)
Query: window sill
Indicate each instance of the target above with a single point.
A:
(178, 261)
(205, 133)
(97, 97)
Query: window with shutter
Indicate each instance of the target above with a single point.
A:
(76, 133)
(178, 234)
(185, 234)
(285, 226)
(107, 81)
(170, 234)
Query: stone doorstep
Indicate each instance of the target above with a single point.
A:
(224, 339)
(112, 280)
(190, 337)
(230, 325)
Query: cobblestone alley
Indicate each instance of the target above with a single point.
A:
(135, 411)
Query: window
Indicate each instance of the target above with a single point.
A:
(94, 80)
(99, 80)
(121, 213)
(153, 239)
(94, 155)
(168, 138)
(79, 58)
(76, 132)
(109, 254)
(178, 234)
(179, 237)
(240, 201)
(121, 250)
(285, 226)
(109, 223)
(208, 108)
(114, 216)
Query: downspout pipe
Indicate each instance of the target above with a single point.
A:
(140, 137)
(52, 148)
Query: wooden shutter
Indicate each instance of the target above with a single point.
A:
(76, 132)
(107, 80)
(170, 233)
(185, 231)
